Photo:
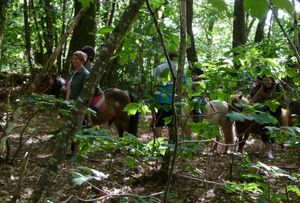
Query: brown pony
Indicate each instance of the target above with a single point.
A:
(113, 112)
(245, 128)
(115, 102)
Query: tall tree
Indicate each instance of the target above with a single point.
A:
(48, 27)
(191, 50)
(239, 27)
(74, 124)
(259, 34)
(3, 8)
(27, 38)
(85, 32)
(179, 84)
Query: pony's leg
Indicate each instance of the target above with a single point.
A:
(227, 128)
(243, 130)
(242, 141)
(215, 147)
(119, 127)
(186, 129)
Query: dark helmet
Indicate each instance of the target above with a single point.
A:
(90, 51)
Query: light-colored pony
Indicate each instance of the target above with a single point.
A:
(214, 112)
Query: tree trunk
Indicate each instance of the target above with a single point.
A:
(3, 7)
(57, 50)
(239, 27)
(74, 124)
(63, 28)
(84, 33)
(173, 139)
(48, 28)
(27, 38)
(191, 49)
(259, 34)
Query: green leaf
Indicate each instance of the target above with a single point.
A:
(105, 30)
(85, 3)
(295, 189)
(236, 116)
(131, 108)
(130, 161)
(257, 8)
(264, 118)
(219, 4)
(284, 5)
(144, 109)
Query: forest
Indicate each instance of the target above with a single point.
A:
(150, 101)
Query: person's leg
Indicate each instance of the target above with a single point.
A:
(159, 123)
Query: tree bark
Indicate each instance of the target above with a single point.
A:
(27, 38)
(191, 49)
(57, 50)
(84, 33)
(3, 8)
(259, 34)
(180, 74)
(73, 125)
(239, 27)
(63, 28)
(48, 28)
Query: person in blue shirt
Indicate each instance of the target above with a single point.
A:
(163, 93)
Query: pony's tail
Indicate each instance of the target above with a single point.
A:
(133, 119)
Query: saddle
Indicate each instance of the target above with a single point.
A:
(98, 102)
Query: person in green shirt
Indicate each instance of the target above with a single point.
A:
(75, 82)
(77, 76)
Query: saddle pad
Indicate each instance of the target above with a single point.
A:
(98, 102)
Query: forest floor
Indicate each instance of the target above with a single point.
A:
(200, 178)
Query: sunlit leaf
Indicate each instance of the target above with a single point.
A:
(85, 3)
(284, 5)
(219, 4)
(105, 30)
(131, 108)
(295, 189)
(257, 8)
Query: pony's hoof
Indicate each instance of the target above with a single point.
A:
(269, 155)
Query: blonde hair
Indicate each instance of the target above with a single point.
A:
(81, 55)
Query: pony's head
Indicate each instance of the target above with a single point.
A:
(49, 84)
(238, 99)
